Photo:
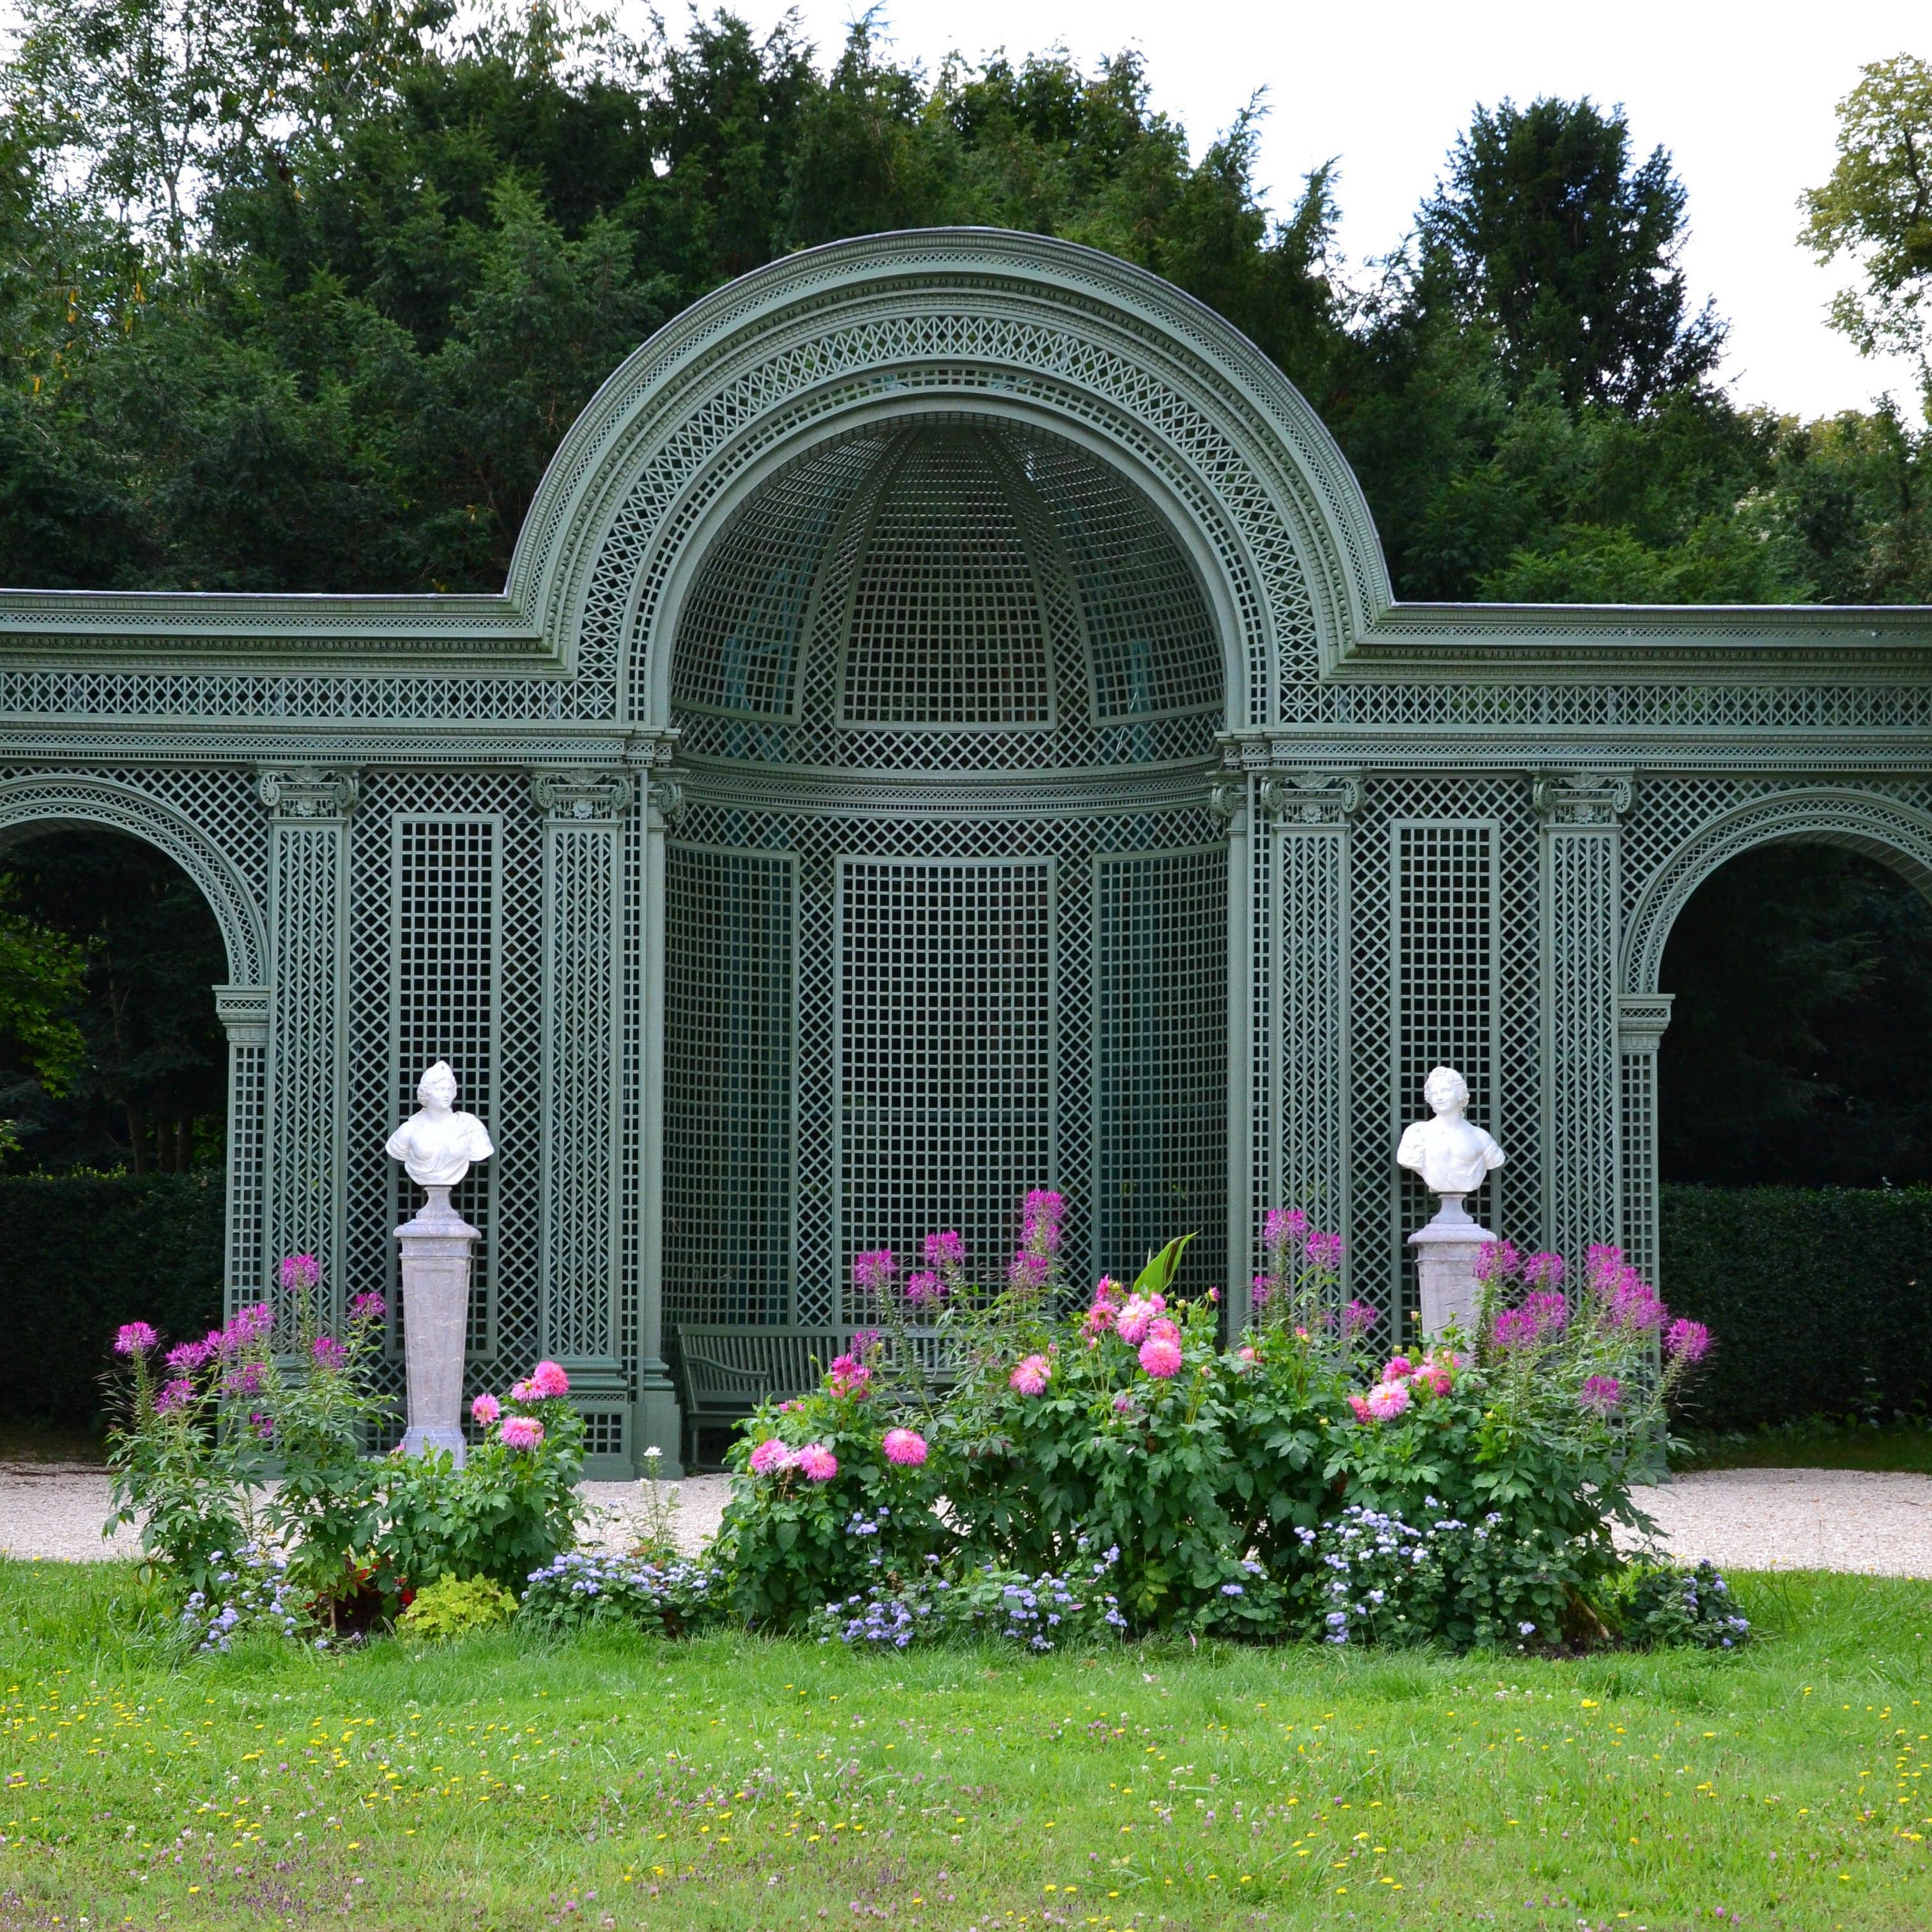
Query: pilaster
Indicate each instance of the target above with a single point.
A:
(1580, 846)
(1642, 1021)
(244, 1012)
(305, 1042)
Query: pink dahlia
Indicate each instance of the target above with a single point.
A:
(484, 1410)
(1031, 1377)
(1387, 1400)
(522, 1432)
(818, 1463)
(1099, 1320)
(769, 1456)
(1162, 1329)
(848, 1375)
(1134, 1320)
(1399, 1367)
(1359, 1405)
(1430, 1377)
(549, 1380)
(134, 1338)
(905, 1447)
(1250, 1356)
(1160, 1356)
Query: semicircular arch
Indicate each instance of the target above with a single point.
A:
(1896, 834)
(983, 323)
(47, 802)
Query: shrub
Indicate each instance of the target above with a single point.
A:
(454, 1606)
(1820, 1295)
(582, 1590)
(1660, 1605)
(1043, 1612)
(248, 1591)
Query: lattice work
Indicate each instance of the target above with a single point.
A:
(815, 844)
(1581, 1100)
(1638, 1234)
(247, 1272)
(1154, 649)
(446, 884)
(946, 1089)
(512, 1339)
(307, 998)
(1160, 1059)
(581, 1053)
(1692, 706)
(1380, 1217)
(1308, 1152)
(945, 626)
(727, 1101)
(977, 598)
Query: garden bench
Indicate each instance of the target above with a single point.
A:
(727, 1371)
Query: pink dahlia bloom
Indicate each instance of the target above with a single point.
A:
(905, 1447)
(1134, 1320)
(1686, 1341)
(1359, 1405)
(769, 1456)
(1031, 1377)
(1250, 1355)
(848, 1375)
(134, 1338)
(818, 1463)
(1387, 1400)
(1099, 1320)
(1430, 1377)
(549, 1380)
(484, 1411)
(1162, 1329)
(1160, 1356)
(522, 1432)
(1399, 1366)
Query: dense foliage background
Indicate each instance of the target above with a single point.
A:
(300, 295)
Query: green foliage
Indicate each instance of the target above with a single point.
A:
(1674, 1605)
(454, 1606)
(582, 1590)
(1817, 1297)
(1876, 208)
(977, 1605)
(80, 1255)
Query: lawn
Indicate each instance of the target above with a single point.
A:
(1819, 1445)
(741, 1783)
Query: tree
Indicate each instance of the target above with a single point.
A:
(1876, 208)
(1544, 233)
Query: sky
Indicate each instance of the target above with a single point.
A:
(1741, 95)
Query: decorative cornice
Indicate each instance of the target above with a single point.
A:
(579, 797)
(308, 795)
(1642, 1021)
(1574, 800)
(1310, 798)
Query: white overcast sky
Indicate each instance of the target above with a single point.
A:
(1742, 94)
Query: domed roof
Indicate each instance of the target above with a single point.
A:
(948, 593)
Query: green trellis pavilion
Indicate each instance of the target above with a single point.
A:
(947, 730)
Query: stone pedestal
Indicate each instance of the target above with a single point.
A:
(436, 1321)
(1445, 1256)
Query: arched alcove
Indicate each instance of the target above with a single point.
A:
(945, 910)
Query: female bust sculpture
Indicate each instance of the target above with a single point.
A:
(437, 1144)
(1452, 1157)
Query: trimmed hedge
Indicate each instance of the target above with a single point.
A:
(1820, 1300)
(81, 1254)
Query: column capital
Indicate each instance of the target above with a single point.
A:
(664, 800)
(1642, 1019)
(581, 795)
(1291, 798)
(308, 795)
(1581, 800)
(244, 1011)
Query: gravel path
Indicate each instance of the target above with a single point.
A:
(1851, 1519)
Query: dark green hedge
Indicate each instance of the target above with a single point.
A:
(80, 1255)
(1820, 1299)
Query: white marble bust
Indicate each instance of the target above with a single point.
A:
(1452, 1157)
(437, 1144)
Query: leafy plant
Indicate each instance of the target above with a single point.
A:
(586, 1589)
(455, 1607)
(1668, 1605)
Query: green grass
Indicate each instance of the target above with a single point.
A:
(1818, 1444)
(738, 1783)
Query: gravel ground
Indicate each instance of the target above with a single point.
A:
(1853, 1519)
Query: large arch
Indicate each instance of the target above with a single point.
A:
(1897, 834)
(946, 321)
(46, 801)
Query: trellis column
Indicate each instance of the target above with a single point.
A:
(306, 1088)
(1298, 945)
(658, 1422)
(1641, 1020)
(1580, 815)
(244, 1012)
(579, 1257)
